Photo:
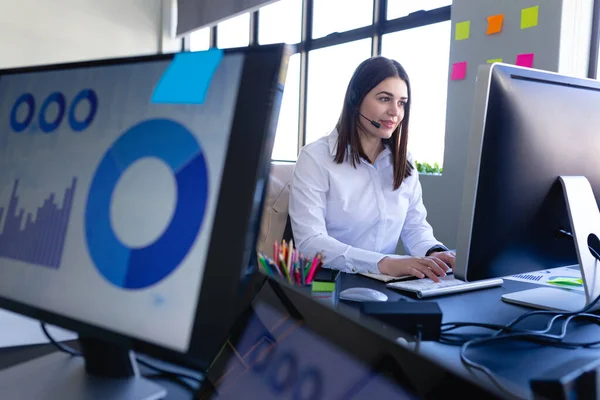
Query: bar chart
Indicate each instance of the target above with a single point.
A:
(41, 240)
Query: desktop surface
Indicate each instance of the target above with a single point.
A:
(513, 363)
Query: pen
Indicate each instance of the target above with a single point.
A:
(313, 269)
(284, 267)
(265, 265)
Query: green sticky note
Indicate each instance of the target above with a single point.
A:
(323, 286)
(493, 60)
(529, 17)
(567, 281)
(463, 30)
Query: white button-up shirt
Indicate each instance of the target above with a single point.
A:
(353, 215)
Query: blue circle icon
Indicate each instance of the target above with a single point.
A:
(20, 126)
(137, 268)
(89, 95)
(59, 99)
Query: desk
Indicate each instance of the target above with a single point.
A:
(514, 363)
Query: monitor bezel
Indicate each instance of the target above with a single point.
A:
(245, 173)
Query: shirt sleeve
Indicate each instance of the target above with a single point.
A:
(308, 201)
(417, 235)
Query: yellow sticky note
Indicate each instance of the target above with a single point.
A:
(494, 24)
(493, 60)
(529, 17)
(463, 30)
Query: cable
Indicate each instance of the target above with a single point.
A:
(510, 332)
(167, 372)
(176, 376)
(62, 347)
(418, 338)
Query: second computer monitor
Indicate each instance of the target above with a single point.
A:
(529, 128)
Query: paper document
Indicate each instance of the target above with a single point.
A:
(18, 330)
(385, 278)
(563, 277)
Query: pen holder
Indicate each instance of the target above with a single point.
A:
(324, 287)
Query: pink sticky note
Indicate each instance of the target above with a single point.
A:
(525, 60)
(459, 71)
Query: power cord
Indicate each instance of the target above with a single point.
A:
(509, 332)
(162, 372)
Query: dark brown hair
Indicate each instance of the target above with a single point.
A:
(367, 75)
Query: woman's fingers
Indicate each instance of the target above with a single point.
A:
(430, 269)
(416, 272)
(442, 264)
(436, 266)
(446, 257)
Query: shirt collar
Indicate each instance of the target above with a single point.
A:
(332, 140)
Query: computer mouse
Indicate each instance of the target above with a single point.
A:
(362, 294)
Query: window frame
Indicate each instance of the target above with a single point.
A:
(380, 26)
(594, 42)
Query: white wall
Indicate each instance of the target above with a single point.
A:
(36, 32)
(561, 44)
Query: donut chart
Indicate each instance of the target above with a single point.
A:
(138, 268)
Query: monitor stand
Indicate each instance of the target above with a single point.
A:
(105, 372)
(585, 224)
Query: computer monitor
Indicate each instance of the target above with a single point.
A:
(130, 195)
(535, 142)
(295, 347)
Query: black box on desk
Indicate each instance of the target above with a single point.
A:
(407, 316)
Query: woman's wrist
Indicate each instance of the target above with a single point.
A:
(436, 249)
(382, 265)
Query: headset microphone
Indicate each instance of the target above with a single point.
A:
(374, 123)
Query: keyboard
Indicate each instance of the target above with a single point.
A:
(448, 284)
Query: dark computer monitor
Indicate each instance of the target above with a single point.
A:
(130, 196)
(292, 346)
(531, 127)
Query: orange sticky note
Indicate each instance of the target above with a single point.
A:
(459, 71)
(495, 24)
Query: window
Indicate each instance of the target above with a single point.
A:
(319, 89)
(428, 73)
(286, 139)
(401, 8)
(200, 39)
(329, 72)
(234, 32)
(280, 22)
(341, 15)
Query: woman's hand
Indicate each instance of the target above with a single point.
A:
(421, 267)
(446, 256)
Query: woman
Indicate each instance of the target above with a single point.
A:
(355, 192)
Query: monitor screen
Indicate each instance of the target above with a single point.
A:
(281, 358)
(529, 128)
(111, 175)
(291, 345)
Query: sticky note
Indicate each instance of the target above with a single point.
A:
(187, 78)
(525, 60)
(494, 24)
(493, 60)
(459, 71)
(529, 17)
(463, 30)
(323, 286)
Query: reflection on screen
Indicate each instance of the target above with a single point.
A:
(277, 357)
